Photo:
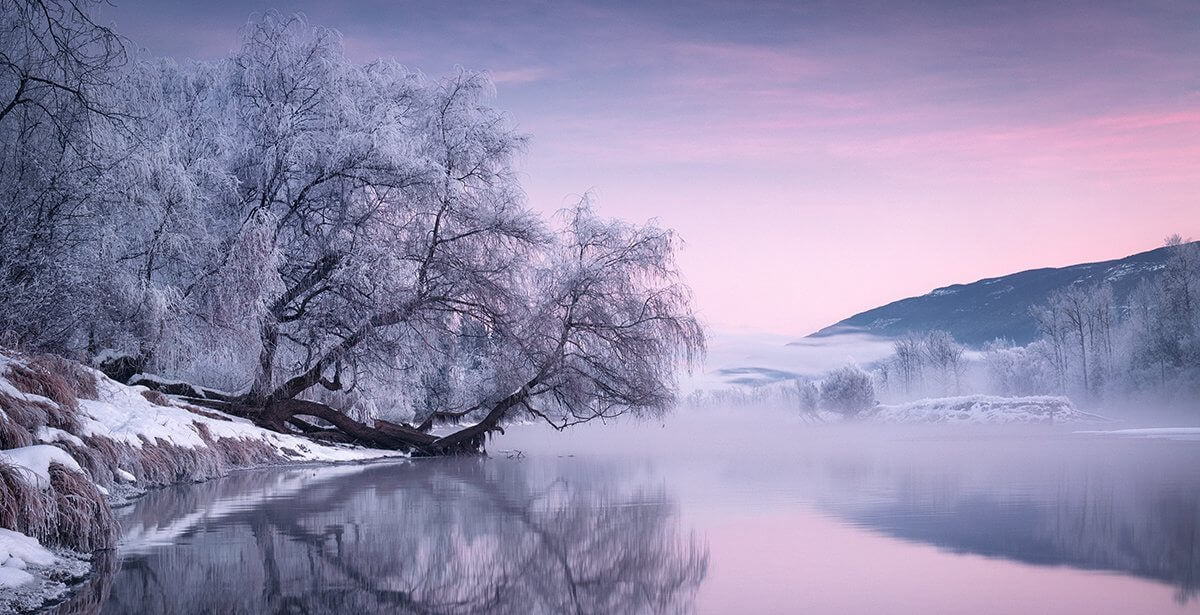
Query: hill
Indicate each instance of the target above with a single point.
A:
(991, 308)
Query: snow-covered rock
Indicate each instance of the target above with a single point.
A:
(985, 409)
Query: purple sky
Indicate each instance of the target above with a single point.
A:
(819, 158)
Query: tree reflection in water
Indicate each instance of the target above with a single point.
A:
(1126, 506)
(439, 536)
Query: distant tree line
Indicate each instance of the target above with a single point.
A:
(332, 243)
(932, 362)
(1095, 347)
(1092, 347)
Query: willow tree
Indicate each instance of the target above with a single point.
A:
(601, 330)
(378, 200)
(367, 227)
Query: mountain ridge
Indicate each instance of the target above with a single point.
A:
(996, 307)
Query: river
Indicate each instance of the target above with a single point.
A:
(706, 512)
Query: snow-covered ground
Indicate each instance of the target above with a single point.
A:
(17, 553)
(122, 414)
(30, 574)
(985, 409)
(33, 462)
(1163, 433)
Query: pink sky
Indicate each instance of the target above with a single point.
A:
(819, 158)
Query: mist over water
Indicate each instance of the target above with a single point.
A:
(709, 511)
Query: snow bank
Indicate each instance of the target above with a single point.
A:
(128, 436)
(50, 435)
(985, 409)
(1164, 433)
(31, 575)
(17, 553)
(106, 436)
(34, 462)
(122, 414)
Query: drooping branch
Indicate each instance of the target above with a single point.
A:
(312, 376)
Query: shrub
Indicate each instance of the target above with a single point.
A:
(807, 396)
(847, 391)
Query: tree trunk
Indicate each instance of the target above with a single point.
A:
(266, 362)
(473, 437)
(277, 415)
(1084, 362)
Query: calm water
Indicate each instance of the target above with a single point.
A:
(709, 513)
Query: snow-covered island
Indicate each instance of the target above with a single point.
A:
(74, 443)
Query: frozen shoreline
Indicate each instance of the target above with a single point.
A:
(46, 582)
(1160, 433)
(119, 441)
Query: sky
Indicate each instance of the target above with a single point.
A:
(818, 158)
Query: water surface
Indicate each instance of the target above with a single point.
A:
(709, 513)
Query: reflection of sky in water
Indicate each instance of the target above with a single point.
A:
(921, 519)
(760, 515)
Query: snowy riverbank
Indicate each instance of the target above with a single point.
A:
(73, 443)
(966, 410)
(985, 409)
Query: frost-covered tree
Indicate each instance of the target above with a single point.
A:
(848, 391)
(945, 356)
(167, 217)
(1079, 323)
(808, 396)
(56, 62)
(332, 242)
(609, 323)
(1021, 370)
(57, 122)
(368, 236)
(382, 205)
(1147, 345)
(909, 361)
(1163, 327)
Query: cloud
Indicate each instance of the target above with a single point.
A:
(759, 358)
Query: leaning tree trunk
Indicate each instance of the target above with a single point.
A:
(474, 437)
(277, 415)
(287, 416)
(266, 361)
